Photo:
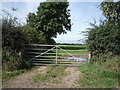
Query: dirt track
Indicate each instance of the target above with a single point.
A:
(24, 80)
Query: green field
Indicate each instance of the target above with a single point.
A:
(75, 50)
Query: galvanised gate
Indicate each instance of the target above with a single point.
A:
(71, 55)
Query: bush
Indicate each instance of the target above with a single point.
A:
(104, 38)
(12, 35)
(12, 61)
(13, 40)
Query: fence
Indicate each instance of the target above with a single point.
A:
(71, 55)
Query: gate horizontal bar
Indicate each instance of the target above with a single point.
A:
(54, 62)
(43, 61)
(59, 57)
(55, 56)
(35, 49)
(53, 53)
(53, 59)
(55, 49)
(66, 54)
(58, 64)
(54, 45)
(38, 45)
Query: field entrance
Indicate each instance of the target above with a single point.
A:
(70, 55)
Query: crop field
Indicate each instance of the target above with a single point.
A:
(75, 50)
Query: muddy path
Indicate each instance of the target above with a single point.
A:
(25, 81)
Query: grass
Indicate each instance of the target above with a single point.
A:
(100, 75)
(73, 52)
(6, 75)
(53, 74)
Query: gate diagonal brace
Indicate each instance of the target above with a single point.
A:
(68, 53)
(43, 53)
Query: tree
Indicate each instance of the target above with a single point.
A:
(14, 9)
(52, 18)
(111, 10)
(104, 38)
(35, 36)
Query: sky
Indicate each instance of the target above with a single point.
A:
(81, 14)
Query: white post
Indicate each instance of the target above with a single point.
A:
(56, 54)
(89, 56)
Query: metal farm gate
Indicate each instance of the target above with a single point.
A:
(71, 55)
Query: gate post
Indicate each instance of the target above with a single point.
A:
(56, 54)
(89, 57)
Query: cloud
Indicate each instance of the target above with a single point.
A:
(31, 7)
(80, 13)
(22, 0)
(54, 0)
(23, 8)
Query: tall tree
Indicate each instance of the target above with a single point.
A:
(52, 18)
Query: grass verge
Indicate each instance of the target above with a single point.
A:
(100, 75)
(6, 75)
(53, 74)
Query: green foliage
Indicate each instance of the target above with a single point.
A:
(103, 43)
(100, 75)
(12, 35)
(111, 10)
(12, 61)
(13, 40)
(8, 75)
(31, 20)
(33, 35)
(36, 36)
(51, 20)
(104, 38)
